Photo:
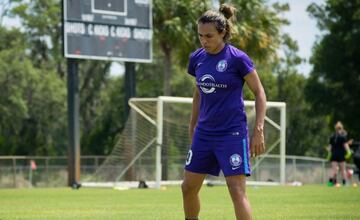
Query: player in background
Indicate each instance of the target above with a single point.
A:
(218, 126)
(338, 148)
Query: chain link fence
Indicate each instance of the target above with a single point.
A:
(35, 171)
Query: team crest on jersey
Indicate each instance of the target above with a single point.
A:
(221, 66)
(235, 160)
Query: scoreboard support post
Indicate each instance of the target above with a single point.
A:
(130, 91)
(129, 85)
(73, 124)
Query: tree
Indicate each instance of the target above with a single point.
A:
(175, 32)
(41, 20)
(32, 101)
(333, 86)
(305, 132)
(109, 120)
(94, 78)
(257, 31)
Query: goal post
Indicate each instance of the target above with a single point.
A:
(154, 144)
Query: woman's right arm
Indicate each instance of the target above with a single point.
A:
(194, 113)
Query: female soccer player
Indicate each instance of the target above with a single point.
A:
(218, 127)
(338, 147)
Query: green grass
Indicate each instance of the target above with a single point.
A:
(306, 202)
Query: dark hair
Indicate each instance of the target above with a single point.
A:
(222, 19)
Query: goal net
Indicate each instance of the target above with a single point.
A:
(154, 144)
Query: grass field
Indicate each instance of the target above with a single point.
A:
(306, 202)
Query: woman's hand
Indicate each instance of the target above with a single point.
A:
(257, 143)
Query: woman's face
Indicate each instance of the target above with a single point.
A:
(338, 129)
(211, 40)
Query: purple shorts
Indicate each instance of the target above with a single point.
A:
(231, 155)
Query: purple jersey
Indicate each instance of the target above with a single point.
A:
(220, 79)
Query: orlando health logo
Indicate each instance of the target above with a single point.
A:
(207, 84)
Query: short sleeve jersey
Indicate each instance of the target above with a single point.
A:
(337, 142)
(220, 80)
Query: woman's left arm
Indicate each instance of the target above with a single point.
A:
(257, 143)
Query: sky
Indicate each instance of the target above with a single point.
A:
(302, 29)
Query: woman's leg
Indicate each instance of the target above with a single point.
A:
(190, 189)
(334, 170)
(236, 186)
(343, 171)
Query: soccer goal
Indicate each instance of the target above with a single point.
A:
(154, 144)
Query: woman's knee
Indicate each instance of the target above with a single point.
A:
(192, 183)
(237, 187)
(188, 188)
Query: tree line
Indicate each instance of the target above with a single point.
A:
(33, 108)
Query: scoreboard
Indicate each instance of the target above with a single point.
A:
(108, 30)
